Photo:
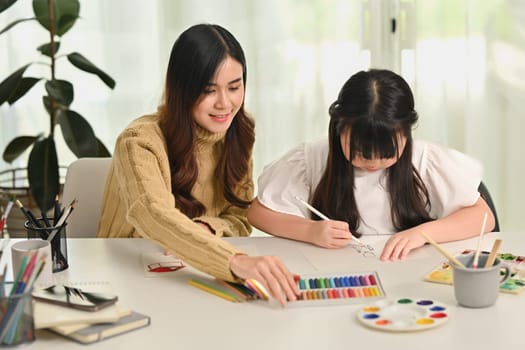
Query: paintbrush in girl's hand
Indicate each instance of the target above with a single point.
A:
(324, 217)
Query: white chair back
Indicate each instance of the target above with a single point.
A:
(85, 180)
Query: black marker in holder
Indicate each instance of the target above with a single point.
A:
(57, 237)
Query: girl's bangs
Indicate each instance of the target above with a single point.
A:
(373, 140)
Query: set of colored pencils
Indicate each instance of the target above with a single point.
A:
(234, 292)
(14, 323)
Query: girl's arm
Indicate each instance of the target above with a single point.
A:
(461, 224)
(326, 233)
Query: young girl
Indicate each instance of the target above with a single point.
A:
(182, 176)
(370, 178)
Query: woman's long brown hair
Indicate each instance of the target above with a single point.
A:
(194, 59)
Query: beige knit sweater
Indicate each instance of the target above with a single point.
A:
(138, 201)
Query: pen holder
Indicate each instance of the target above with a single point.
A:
(16, 316)
(56, 235)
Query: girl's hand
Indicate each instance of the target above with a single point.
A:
(270, 272)
(329, 234)
(400, 244)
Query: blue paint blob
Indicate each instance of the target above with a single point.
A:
(370, 316)
(437, 308)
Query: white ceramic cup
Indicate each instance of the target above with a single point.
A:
(24, 248)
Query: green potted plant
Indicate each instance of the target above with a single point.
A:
(57, 17)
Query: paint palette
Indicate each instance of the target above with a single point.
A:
(404, 315)
(337, 289)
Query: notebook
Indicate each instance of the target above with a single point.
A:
(73, 327)
(49, 315)
(100, 331)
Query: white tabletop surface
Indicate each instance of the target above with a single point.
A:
(183, 317)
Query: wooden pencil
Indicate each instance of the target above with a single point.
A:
(207, 288)
(232, 289)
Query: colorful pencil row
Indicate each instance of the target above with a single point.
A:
(337, 282)
(340, 293)
(311, 288)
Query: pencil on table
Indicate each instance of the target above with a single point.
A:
(234, 290)
(212, 290)
(258, 288)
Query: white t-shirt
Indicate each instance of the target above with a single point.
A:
(452, 179)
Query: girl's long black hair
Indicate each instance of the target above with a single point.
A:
(376, 106)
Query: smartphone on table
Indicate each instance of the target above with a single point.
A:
(75, 297)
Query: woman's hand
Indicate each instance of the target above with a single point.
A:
(400, 244)
(270, 272)
(329, 233)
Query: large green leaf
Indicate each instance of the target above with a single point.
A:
(84, 64)
(42, 172)
(22, 88)
(8, 86)
(45, 49)
(4, 4)
(60, 91)
(46, 100)
(12, 24)
(78, 134)
(17, 146)
(65, 13)
(102, 152)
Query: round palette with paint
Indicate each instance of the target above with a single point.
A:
(404, 315)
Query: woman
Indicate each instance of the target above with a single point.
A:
(371, 178)
(182, 176)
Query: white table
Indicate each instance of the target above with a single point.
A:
(183, 317)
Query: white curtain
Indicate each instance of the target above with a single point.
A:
(466, 63)
(464, 60)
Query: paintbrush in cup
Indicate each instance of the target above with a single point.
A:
(478, 249)
(493, 253)
(442, 251)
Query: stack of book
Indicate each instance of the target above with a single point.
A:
(88, 316)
